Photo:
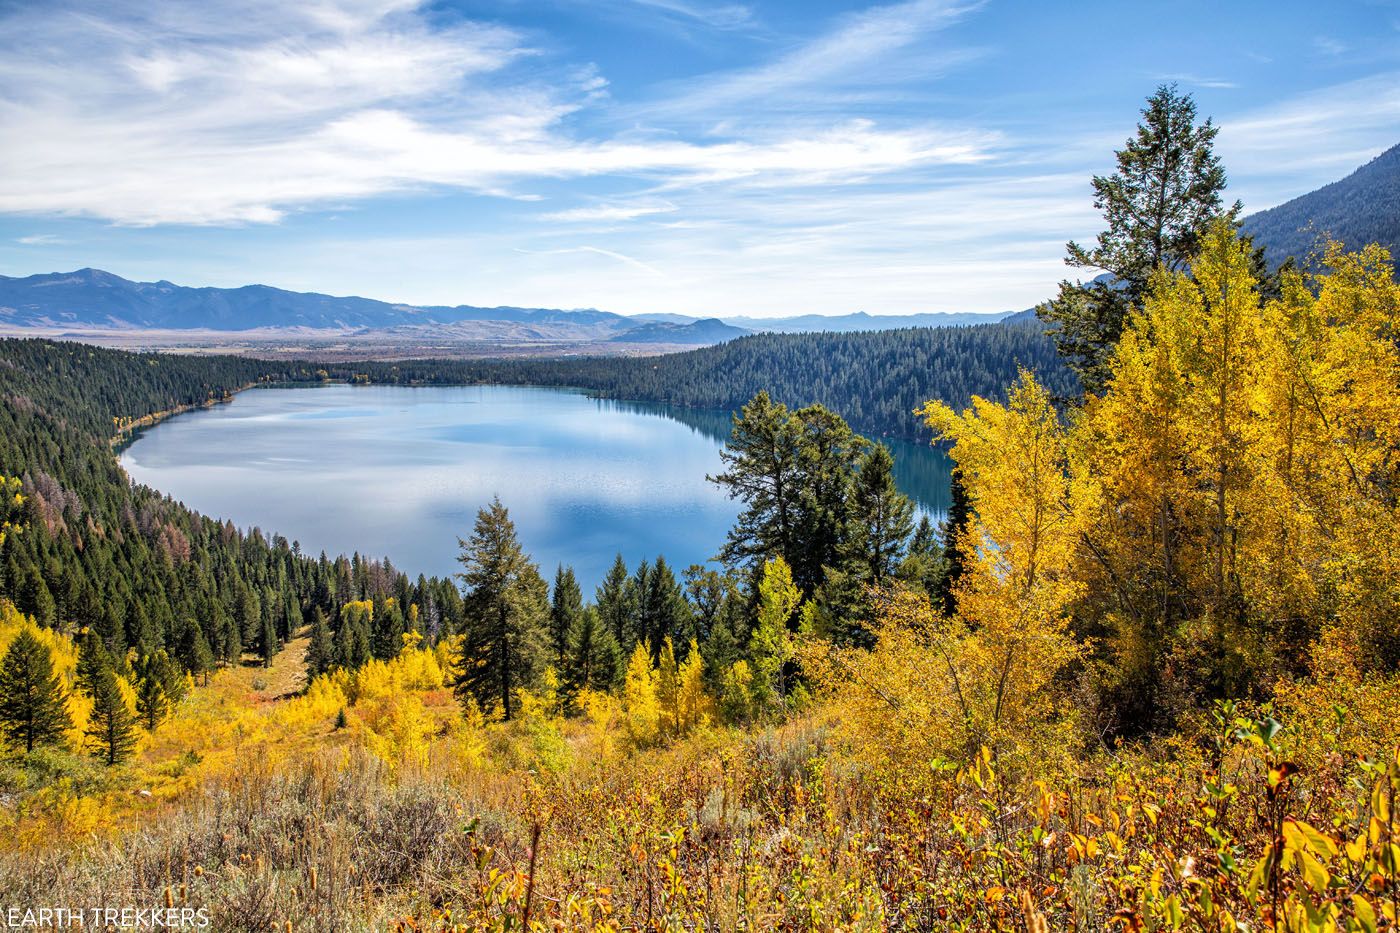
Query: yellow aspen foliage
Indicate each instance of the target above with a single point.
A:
(772, 646)
(601, 713)
(466, 749)
(737, 694)
(64, 652)
(1002, 654)
(548, 693)
(1334, 414)
(398, 729)
(641, 708)
(357, 610)
(410, 670)
(10, 503)
(668, 694)
(417, 670)
(1234, 482)
(696, 708)
(680, 691)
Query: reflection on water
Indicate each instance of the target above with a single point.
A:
(923, 473)
(400, 471)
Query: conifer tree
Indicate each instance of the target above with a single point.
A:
(923, 561)
(881, 519)
(1157, 205)
(194, 651)
(159, 686)
(388, 629)
(93, 659)
(33, 703)
(662, 611)
(592, 657)
(763, 469)
(506, 641)
(613, 600)
(111, 728)
(352, 639)
(565, 607)
(268, 643)
(828, 452)
(953, 533)
(320, 652)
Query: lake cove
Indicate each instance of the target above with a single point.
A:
(400, 472)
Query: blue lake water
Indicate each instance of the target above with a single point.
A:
(400, 472)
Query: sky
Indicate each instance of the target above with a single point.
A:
(686, 156)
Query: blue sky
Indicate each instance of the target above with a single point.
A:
(644, 155)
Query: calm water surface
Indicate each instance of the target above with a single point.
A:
(400, 472)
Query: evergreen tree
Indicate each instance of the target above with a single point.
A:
(954, 532)
(923, 562)
(506, 640)
(565, 607)
(614, 602)
(292, 619)
(194, 651)
(111, 729)
(710, 596)
(881, 519)
(352, 640)
(388, 630)
(93, 659)
(1157, 205)
(268, 644)
(320, 652)
(828, 451)
(763, 469)
(159, 686)
(33, 703)
(592, 658)
(662, 611)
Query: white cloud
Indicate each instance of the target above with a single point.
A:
(1280, 151)
(1199, 81)
(717, 15)
(154, 115)
(861, 51)
(41, 239)
(609, 212)
(1330, 46)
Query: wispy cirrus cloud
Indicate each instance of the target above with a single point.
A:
(860, 53)
(716, 15)
(605, 213)
(1331, 129)
(1194, 80)
(257, 109)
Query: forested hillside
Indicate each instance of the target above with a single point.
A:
(141, 571)
(873, 379)
(1362, 208)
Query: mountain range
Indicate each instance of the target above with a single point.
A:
(89, 299)
(1361, 208)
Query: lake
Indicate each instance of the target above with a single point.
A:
(400, 472)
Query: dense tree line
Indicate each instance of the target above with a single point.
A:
(873, 379)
